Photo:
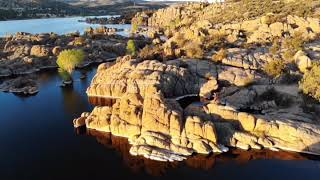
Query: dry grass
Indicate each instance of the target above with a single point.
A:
(193, 50)
(275, 68)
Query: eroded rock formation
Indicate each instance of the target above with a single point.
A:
(146, 111)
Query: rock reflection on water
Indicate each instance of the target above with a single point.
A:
(140, 164)
(136, 163)
(72, 100)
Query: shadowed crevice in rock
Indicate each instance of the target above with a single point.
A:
(186, 101)
(100, 101)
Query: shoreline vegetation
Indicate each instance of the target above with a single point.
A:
(254, 72)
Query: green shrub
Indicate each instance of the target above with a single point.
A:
(274, 68)
(131, 48)
(310, 83)
(292, 45)
(140, 20)
(69, 59)
(295, 42)
(289, 54)
(134, 27)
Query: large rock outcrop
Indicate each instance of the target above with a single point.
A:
(143, 106)
(145, 109)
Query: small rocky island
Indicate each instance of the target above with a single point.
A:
(213, 79)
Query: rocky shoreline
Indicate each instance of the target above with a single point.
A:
(123, 19)
(26, 53)
(245, 101)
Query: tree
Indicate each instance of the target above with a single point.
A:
(131, 48)
(67, 62)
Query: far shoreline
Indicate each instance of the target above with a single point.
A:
(58, 17)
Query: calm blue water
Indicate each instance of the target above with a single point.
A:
(38, 142)
(56, 25)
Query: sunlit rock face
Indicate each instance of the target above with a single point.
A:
(143, 78)
(142, 106)
(200, 17)
(258, 131)
(146, 111)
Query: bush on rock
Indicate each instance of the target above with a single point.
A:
(131, 48)
(310, 83)
(274, 68)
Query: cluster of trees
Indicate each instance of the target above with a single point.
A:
(8, 14)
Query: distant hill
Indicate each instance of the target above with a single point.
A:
(26, 9)
(32, 3)
(87, 3)
(104, 2)
(94, 3)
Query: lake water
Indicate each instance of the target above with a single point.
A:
(56, 25)
(38, 142)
